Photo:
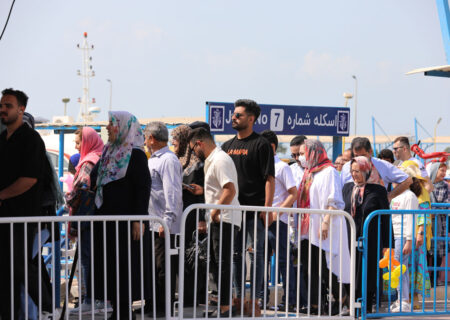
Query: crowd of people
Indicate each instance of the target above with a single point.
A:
(244, 171)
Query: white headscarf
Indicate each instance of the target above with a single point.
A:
(116, 155)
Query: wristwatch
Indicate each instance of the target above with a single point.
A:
(421, 233)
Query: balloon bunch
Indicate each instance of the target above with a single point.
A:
(398, 270)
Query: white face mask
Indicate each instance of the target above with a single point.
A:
(302, 160)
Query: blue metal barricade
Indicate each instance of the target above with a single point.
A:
(406, 304)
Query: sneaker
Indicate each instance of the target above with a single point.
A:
(100, 306)
(394, 305)
(85, 309)
(406, 307)
(50, 316)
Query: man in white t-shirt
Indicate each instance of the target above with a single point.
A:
(388, 173)
(284, 196)
(297, 168)
(402, 152)
(221, 187)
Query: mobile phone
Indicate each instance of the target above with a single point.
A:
(185, 185)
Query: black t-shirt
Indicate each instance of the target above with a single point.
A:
(22, 155)
(254, 161)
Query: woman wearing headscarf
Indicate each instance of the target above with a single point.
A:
(122, 188)
(90, 146)
(363, 196)
(193, 173)
(321, 189)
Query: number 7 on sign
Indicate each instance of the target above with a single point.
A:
(276, 119)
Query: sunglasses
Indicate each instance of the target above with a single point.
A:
(237, 115)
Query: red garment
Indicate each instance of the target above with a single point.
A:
(317, 160)
(91, 147)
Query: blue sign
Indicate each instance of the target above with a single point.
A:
(284, 120)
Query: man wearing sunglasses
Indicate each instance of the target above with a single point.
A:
(254, 161)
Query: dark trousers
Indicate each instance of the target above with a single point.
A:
(221, 257)
(160, 275)
(283, 255)
(315, 267)
(19, 273)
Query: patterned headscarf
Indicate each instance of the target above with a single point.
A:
(116, 155)
(316, 160)
(365, 167)
(91, 147)
(186, 156)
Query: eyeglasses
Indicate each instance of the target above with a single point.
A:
(295, 155)
(237, 115)
(192, 149)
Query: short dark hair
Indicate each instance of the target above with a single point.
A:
(361, 143)
(199, 124)
(201, 134)
(403, 140)
(386, 154)
(251, 107)
(22, 98)
(298, 140)
(271, 137)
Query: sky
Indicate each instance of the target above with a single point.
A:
(167, 58)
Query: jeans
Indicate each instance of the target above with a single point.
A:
(404, 294)
(282, 255)
(85, 261)
(258, 247)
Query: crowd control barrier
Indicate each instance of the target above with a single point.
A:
(429, 298)
(205, 275)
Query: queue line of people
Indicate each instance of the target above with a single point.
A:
(245, 171)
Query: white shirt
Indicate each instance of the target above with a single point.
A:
(297, 172)
(220, 170)
(326, 191)
(284, 180)
(405, 201)
(388, 172)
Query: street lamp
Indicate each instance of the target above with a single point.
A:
(347, 96)
(435, 127)
(110, 94)
(65, 101)
(356, 99)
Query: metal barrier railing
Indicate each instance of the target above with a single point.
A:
(115, 251)
(199, 250)
(408, 287)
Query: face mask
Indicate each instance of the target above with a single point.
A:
(302, 160)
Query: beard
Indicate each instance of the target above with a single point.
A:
(10, 120)
(201, 155)
(238, 126)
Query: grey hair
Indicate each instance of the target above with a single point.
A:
(158, 130)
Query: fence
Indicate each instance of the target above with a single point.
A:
(230, 246)
(118, 269)
(119, 272)
(415, 277)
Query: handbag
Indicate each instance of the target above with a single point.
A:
(202, 255)
(85, 206)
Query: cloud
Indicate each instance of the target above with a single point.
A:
(146, 32)
(325, 64)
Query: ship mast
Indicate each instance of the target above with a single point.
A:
(85, 114)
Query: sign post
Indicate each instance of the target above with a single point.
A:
(287, 120)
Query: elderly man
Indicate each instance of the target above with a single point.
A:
(166, 203)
